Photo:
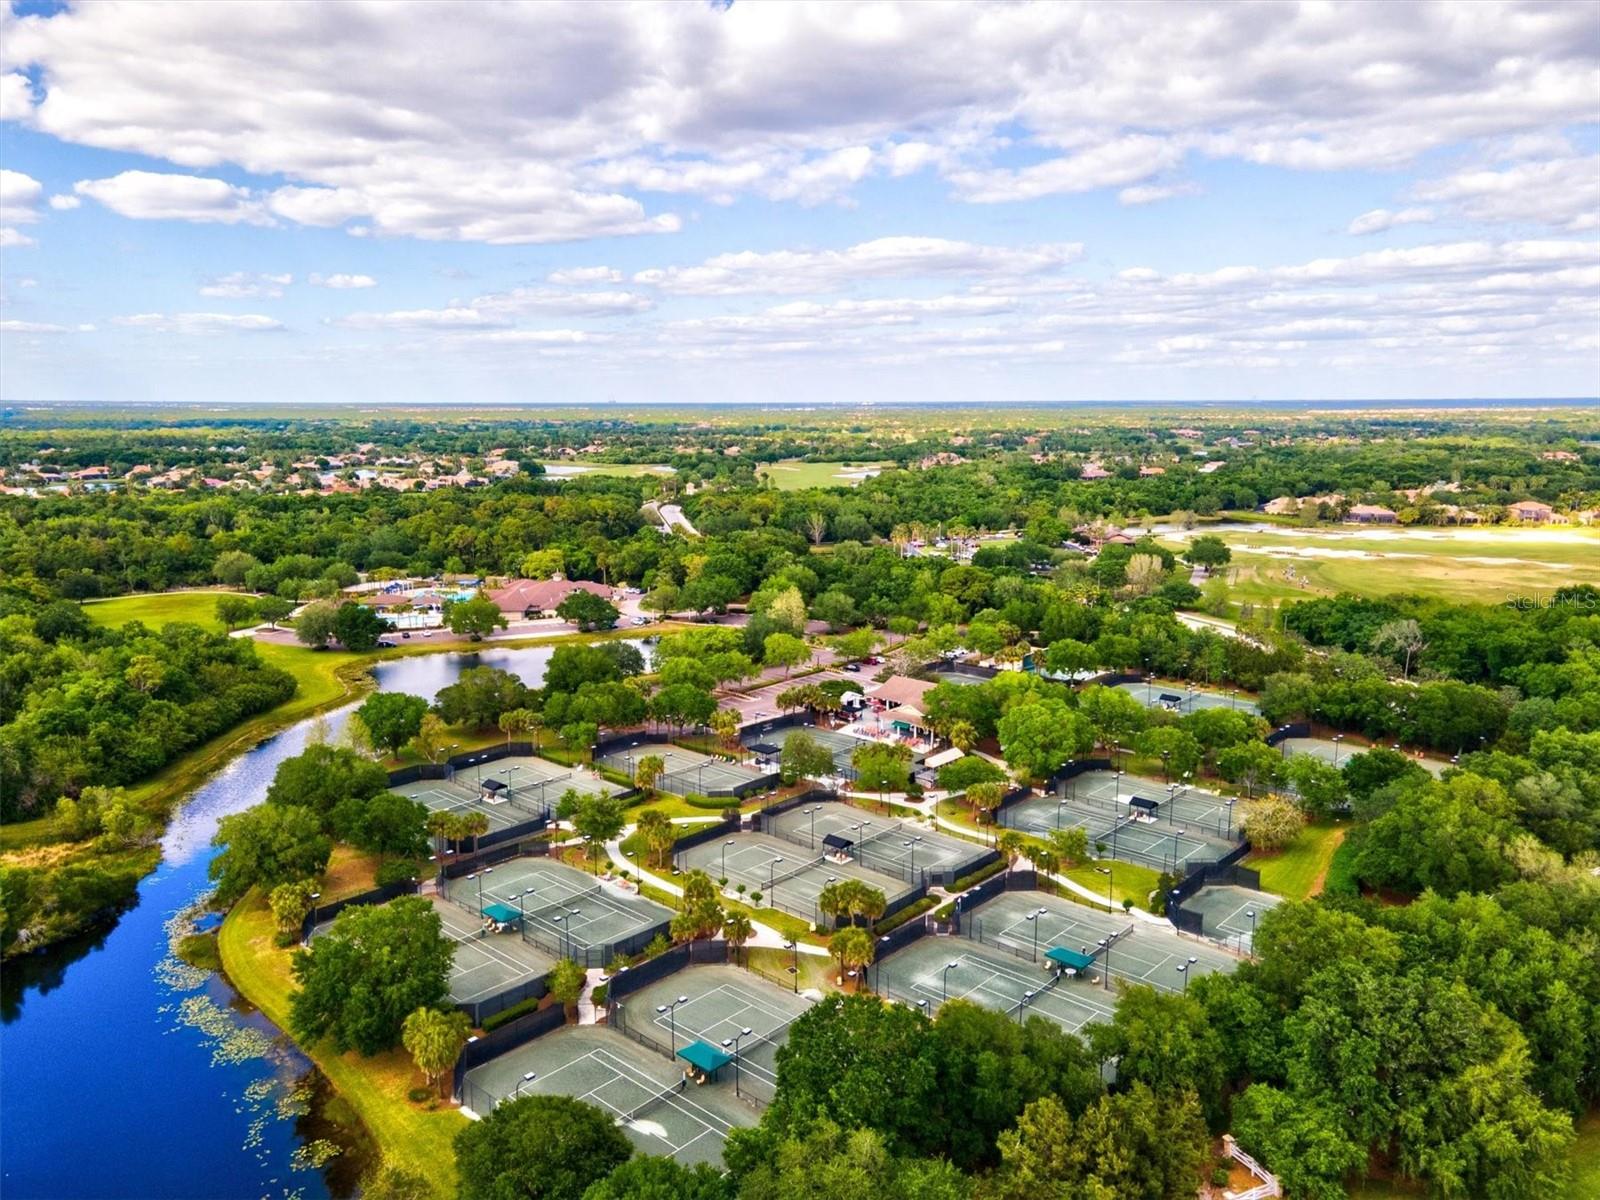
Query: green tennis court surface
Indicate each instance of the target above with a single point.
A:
(1231, 913)
(894, 846)
(1171, 847)
(995, 979)
(841, 745)
(486, 963)
(1180, 697)
(561, 910)
(1151, 953)
(789, 877)
(645, 1093)
(686, 770)
(722, 1002)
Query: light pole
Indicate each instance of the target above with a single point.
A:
(1060, 804)
(944, 981)
(1033, 920)
(812, 811)
(772, 874)
(734, 1042)
(877, 987)
(725, 846)
(672, 1018)
(1027, 999)
(1337, 738)
(912, 846)
(1183, 969)
(1175, 836)
(1105, 967)
(795, 946)
(1118, 797)
(315, 896)
(1166, 773)
(1251, 913)
(559, 920)
(1106, 871)
(1232, 800)
(521, 1083)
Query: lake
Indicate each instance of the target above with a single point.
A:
(129, 1074)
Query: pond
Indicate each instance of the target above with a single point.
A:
(128, 1073)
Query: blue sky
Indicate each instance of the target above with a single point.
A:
(424, 203)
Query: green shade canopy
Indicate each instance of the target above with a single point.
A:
(1069, 958)
(502, 913)
(705, 1056)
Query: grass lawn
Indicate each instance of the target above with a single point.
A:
(1129, 881)
(815, 971)
(417, 1137)
(1461, 565)
(1585, 1158)
(791, 475)
(627, 470)
(1299, 870)
(155, 609)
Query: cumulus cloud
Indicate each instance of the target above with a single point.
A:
(64, 202)
(1563, 192)
(341, 282)
(581, 275)
(10, 237)
(1152, 193)
(197, 323)
(884, 258)
(244, 285)
(798, 103)
(420, 318)
(1381, 219)
(19, 198)
(152, 196)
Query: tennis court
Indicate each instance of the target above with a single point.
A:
(788, 877)
(558, 909)
(721, 1003)
(1152, 843)
(899, 848)
(533, 779)
(486, 964)
(931, 971)
(1185, 698)
(841, 745)
(440, 795)
(1231, 913)
(1151, 953)
(648, 1096)
(686, 770)
(1177, 803)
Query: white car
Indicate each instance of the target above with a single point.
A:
(640, 621)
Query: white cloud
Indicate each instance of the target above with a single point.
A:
(884, 258)
(200, 323)
(42, 327)
(62, 202)
(580, 275)
(798, 102)
(150, 196)
(14, 238)
(1563, 192)
(243, 285)
(19, 198)
(341, 281)
(420, 318)
(1381, 219)
(1152, 193)
(548, 301)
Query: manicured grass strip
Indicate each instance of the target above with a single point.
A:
(1129, 881)
(1300, 870)
(409, 1135)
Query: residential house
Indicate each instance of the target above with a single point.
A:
(1370, 514)
(521, 599)
(1535, 512)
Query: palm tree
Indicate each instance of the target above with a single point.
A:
(1010, 844)
(648, 769)
(963, 736)
(474, 826)
(834, 898)
(869, 903)
(434, 1039)
(853, 947)
(657, 830)
(738, 929)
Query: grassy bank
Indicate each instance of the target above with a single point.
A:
(1299, 870)
(156, 609)
(417, 1137)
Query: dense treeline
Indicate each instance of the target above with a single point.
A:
(82, 705)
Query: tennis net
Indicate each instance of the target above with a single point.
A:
(798, 871)
(644, 1106)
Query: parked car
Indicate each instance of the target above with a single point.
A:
(640, 621)
(853, 666)
(405, 633)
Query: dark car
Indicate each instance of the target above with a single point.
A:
(852, 667)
